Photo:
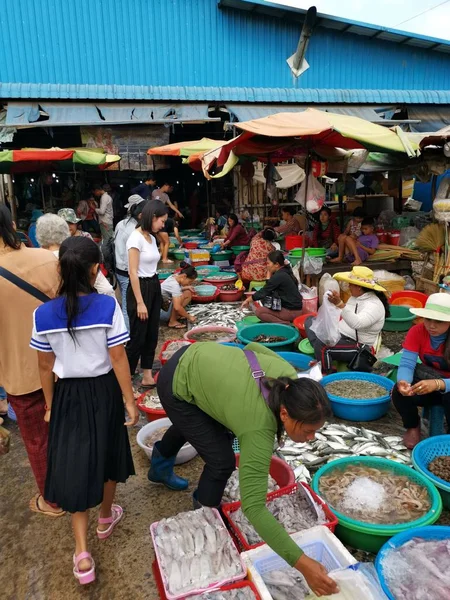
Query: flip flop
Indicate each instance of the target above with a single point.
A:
(116, 516)
(148, 387)
(180, 326)
(34, 507)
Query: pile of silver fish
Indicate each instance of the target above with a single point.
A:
(293, 511)
(232, 492)
(419, 570)
(216, 314)
(286, 584)
(210, 336)
(335, 441)
(243, 593)
(195, 551)
(173, 347)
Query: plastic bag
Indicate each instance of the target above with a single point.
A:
(315, 195)
(326, 324)
(314, 373)
(313, 265)
(327, 283)
(357, 582)
(407, 234)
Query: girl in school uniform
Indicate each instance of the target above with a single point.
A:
(80, 338)
(144, 291)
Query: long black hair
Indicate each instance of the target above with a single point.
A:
(277, 258)
(382, 297)
(234, 218)
(269, 234)
(136, 210)
(7, 232)
(152, 210)
(76, 257)
(305, 401)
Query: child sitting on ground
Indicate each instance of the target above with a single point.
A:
(360, 249)
(352, 231)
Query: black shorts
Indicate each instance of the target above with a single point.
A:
(169, 226)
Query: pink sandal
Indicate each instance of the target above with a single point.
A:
(84, 576)
(116, 515)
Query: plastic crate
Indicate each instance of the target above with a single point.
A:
(229, 509)
(232, 586)
(317, 543)
(210, 587)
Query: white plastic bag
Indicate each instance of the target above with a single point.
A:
(314, 373)
(313, 265)
(315, 196)
(357, 582)
(326, 324)
(327, 284)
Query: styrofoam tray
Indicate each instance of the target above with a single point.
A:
(213, 584)
(317, 543)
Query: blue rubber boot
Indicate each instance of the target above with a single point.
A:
(161, 471)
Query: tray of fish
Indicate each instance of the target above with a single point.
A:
(296, 507)
(418, 569)
(225, 315)
(232, 491)
(356, 389)
(378, 496)
(150, 399)
(195, 553)
(336, 441)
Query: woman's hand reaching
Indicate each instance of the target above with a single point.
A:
(316, 576)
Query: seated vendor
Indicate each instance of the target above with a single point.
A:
(237, 236)
(291, 224)
(429, 383)
(358, 249)
(326, 233)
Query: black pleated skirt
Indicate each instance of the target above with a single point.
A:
(88, 442)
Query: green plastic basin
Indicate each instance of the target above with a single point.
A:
(306, 348)
(401, 319)
(238, 249)
(367, 536)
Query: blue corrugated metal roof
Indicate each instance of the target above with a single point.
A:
(342, 24)
(191, 50)
(222, 94)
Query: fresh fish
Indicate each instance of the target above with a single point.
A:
(232, 492)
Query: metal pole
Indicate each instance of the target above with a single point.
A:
(307, 172)
(11, 196)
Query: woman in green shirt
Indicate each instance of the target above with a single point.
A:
(209, 390)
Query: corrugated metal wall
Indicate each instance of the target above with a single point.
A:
(193, 43)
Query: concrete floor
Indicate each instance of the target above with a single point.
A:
(36, 551)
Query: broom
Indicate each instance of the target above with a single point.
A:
(432, 239)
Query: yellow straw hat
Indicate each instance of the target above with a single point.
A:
(361, 276)
(436, 308)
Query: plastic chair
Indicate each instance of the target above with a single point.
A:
(435, 416)
(256, 285)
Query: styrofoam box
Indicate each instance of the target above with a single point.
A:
(317, 543)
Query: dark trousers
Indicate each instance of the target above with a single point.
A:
(211, 439)
(144, 334)
(407, 405)
(344, 351)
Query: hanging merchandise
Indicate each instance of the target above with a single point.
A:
(319, 168)
(315, 194)
(441, 204)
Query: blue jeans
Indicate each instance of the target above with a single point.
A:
(166, 314)
(123, 284)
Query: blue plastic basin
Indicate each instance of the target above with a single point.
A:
(247, 335)
(363, 409)
(301, 361)
(424, 453)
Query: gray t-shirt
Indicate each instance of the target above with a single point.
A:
(170, 288)
(161, 196)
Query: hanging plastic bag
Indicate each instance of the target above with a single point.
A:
(327, 284)
(326, 324)
(357, 582)
(315, 194)
(313, 265)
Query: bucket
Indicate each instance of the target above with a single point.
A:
(310, 305)
(394, 238)
(382, 237)
(293, 241)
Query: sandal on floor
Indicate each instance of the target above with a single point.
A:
(84, 577)
(117, 514)
(34, 507)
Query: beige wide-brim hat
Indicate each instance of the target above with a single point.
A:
(362, 276)
(436, 308)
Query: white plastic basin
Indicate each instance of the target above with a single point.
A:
(186, 453)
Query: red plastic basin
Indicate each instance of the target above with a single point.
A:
(279, 470)
(230, 295)
(409, 294)
(299, 322)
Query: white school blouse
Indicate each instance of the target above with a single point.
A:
(98, 327)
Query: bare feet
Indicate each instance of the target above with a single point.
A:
(412, 437)
(39, 505)
(356, 262)
(338, 259)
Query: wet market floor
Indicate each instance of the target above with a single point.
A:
(36, 551)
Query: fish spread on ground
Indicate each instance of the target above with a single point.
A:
(232, 491)
(223, 277)
(173, 347)
(337, 440)
(195, 551)
(210, 336)
(440, 466)
(216, 313)
(155, 436)
(243, 593)
(293, 511)
(286, 584)
(418, 570)
(356, 389)
(268, 339)
(372, 495)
